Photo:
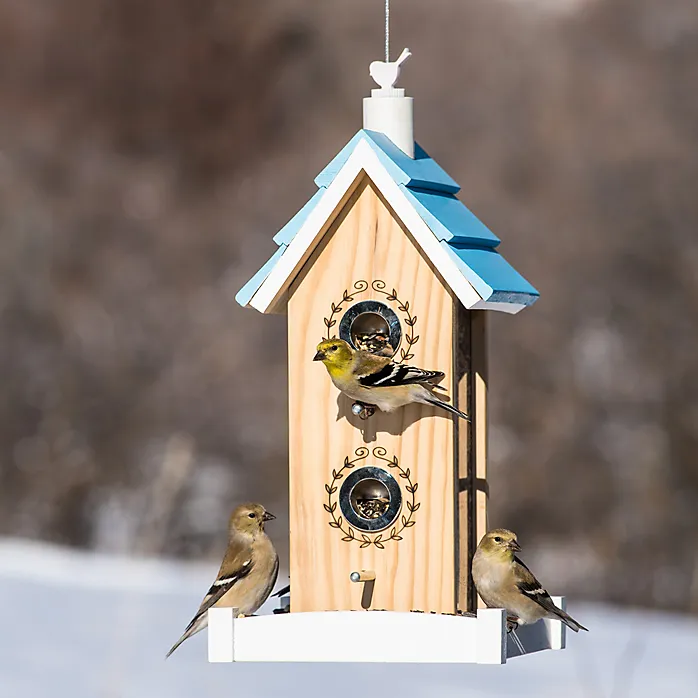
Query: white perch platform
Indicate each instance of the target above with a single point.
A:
(377, 636)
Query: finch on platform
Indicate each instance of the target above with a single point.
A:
(248, 572)
(503, 581)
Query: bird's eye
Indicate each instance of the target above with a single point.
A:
(252, 515)
(497, 539)
(334, 347)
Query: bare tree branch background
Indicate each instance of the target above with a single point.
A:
(150, 149)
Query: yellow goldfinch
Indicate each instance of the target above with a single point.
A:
(376, 380)
(248, 571)
(503, 581)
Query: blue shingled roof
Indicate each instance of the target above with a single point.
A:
(468, 241)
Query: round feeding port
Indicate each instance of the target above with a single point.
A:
(371, 326)
(370, 498)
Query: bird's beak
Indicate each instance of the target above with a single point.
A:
(319, 356)
(514, 545)
(268, 516)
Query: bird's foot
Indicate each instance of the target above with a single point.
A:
(512, 623)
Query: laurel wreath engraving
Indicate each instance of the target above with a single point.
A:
(365, 540)
(379, 287)
(359, 287)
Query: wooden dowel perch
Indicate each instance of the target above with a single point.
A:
(369, 577)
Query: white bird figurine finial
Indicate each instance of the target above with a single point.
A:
(386, 73)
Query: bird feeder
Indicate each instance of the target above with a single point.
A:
(386, 509)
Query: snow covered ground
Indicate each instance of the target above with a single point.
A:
(81, 625)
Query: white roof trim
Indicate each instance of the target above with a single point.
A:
(363, 159)
(511, 308)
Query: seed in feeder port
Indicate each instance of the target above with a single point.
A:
(372, 508)
(374, 342)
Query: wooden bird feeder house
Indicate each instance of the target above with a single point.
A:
(385, 511)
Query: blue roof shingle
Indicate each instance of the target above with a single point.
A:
(490, 274)
(244, 295)
(449, 218)
(288, 232)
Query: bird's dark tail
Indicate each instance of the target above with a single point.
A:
(570, 622)
(445, 406)
(194, 627)
(176, 645)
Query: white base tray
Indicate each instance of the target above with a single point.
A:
(376, 636)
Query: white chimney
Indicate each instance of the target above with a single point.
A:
(387, 110)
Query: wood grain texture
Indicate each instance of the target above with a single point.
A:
(366, 242)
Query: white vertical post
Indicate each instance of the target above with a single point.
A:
(557, 630)
(391, 113)
(220, 634)
(491, 636)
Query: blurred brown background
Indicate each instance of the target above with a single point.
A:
(149, 150)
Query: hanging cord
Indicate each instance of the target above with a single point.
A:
(387, 31)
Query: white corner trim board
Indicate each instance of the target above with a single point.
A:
(509, 308)
(363, 159)
(341, 636)
(220, 634)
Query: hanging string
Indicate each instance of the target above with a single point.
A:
(387, 31)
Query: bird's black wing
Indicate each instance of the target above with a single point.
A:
(222, 586)
(530, 587)
(393, 374)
